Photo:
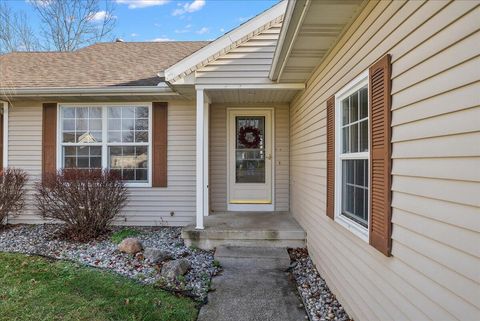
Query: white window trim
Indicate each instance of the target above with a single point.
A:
(104, 143)
(354, 227)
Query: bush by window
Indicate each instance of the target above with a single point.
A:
(86, 201)
(12, 192)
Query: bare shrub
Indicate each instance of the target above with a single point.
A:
(12, 192)
(86, 201)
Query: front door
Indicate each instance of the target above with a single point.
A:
(250, 160)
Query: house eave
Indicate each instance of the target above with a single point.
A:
(294, 15)
(87, 91)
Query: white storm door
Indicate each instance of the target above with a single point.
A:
(250, 159)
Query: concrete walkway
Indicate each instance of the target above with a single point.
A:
(253, 286)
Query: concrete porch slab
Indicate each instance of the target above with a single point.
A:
(254, 229)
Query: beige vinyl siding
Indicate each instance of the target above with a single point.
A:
(249, 63)
(434, 272)
(146, 206)
(25, 150)
(218, 157)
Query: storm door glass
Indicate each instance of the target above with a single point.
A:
(250, 149)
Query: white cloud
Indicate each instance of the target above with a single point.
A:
(161, 39)
(100, 16)
(189, 7)
(134, 34)
(185, 29)
(222, 30)
(202, 30)
(134, 4)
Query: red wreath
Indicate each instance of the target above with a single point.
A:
(249, 143)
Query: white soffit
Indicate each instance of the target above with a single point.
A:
(226, 42)
(311, 28)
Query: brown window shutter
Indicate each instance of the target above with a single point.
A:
(160, 130)
(331, 157)
(380, 155)
(49, 139)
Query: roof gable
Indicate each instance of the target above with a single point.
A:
(227, 42)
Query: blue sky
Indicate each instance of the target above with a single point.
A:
(149, 20)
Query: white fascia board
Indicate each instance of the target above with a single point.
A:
(111, 91)
(225, 41)
(279, 86)
(293, 20)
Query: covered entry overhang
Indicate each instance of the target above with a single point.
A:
(240, 99)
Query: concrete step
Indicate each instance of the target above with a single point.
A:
(246, 229)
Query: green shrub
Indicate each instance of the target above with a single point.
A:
(119, 236)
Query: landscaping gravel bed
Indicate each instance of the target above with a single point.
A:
(103, 253)
(320, 303)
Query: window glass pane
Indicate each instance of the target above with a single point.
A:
(360, 172)
(363, 103)
(69, 137)
(70, 162)
(127, 136)
(81, 112)
(114, 136)
(353, 107)
(345, 110)
(114, 124)
(82, 157)
(95, 124)
(363, 136)
(141, 112)
(68, 112)
(96, 151)
(141, 137)
(349, 172)
(128, 112)
(130, 126)
(70, 151)
(69, 124)
(114, 112)
(81, 124)
(95, 112)
(130, 161)
(345, 139)
(141, 124)
(355, 190)
(250, 149)
(78, 125)
(354, 138)
(83, 151)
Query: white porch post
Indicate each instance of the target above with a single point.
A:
(4, 104)
(202, 158)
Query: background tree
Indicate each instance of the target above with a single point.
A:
(15, 33)
(65, 25)
(70, 24)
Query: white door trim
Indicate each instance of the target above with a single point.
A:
(252, 207)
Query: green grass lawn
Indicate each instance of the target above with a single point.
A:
(34, 288)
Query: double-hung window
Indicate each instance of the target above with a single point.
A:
(352, 160)
(112, 137)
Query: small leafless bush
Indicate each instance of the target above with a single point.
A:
(86, 201)
(12, 192)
